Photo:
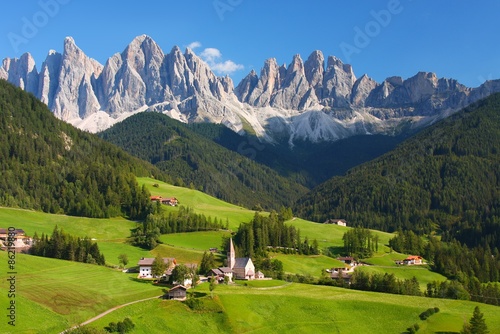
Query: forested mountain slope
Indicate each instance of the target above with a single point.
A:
(307, 163)
(193, 160)
(446, 177)
(47, 164)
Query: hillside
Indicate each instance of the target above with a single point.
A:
(49, 165)
(57, 294)
(194, 161)
(307, 163)
(445, 178)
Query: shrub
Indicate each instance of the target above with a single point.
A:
(121, 327)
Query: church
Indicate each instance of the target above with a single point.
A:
(242, 267)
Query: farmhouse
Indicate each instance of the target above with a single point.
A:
(340, 222)
(349, 260)
(172, 201)
(21, 242)
(341, 274)
(411, 260)
(146, 263)
(220, 273)
(178, 292)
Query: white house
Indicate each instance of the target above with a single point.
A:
(146, 263)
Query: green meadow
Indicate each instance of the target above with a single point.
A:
(200, 202)
(330, 235)
(307, 265)
(421, 273)
(70, 292)
(297, 308)
(200, 241)
(33, 221)
(54, 294)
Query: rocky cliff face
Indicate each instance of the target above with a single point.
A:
(307, 100)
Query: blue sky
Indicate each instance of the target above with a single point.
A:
(455, 39)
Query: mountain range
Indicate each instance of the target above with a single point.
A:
(314, 100)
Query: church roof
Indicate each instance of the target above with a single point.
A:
(241, 262)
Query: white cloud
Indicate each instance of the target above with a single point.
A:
(212, 57)
(194, 45)
(227, 67)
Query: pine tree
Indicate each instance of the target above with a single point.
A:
(477, 324)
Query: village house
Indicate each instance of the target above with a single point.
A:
(259, 275)
(146, 263)
(349, 260)
(178, 292)
(220, 273)
(341, 274)
(340, 222)
(172, 201)
(410, 260)
(21, 242)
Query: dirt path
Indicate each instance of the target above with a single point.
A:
(109, 311)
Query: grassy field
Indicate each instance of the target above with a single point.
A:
(329, 235)
(72, 291)
(184, 255)
(298, 308)
(306, 265)
(55, 294)
(200, 202)
(385, 259)
(421, 273)
(32, 221)
(200, 241)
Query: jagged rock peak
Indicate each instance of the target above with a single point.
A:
(297, 64)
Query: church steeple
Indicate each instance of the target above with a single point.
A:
(231, 255)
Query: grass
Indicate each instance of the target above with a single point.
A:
(421, 273)
(329, 235)
(31, 317)
(162, 316)
(57, 294)
(262, 283)
(200, 202)
(112, 250)
(182, 255)
(298, 308)
(74, 291)
(385, 259)
(306, 265)
(33, 221)
(200, 241)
